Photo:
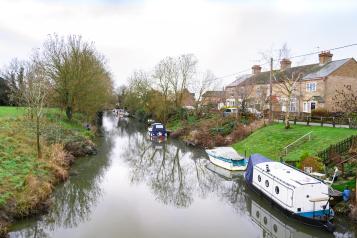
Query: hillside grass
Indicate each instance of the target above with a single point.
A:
(24, 179)
(270, 140)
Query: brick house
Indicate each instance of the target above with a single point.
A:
(316, 89)
(188, 99)
(214, 98)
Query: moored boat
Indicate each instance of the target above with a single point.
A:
(157, 130)
(299, 195)
(228, 158)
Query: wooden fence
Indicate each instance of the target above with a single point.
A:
(339, 148)
(307, 119)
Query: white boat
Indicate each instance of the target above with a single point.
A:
(299, 195)
(228, 158)
(224, 173)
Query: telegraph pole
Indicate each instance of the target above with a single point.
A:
(271, 91)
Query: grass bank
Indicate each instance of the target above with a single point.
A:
(26, 181)
(270, 140)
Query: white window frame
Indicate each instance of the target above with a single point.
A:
(293, 105)
(307, 106)
(311, 87)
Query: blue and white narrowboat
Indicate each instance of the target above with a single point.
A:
(228, 158)
(299, 195)
(157, 130)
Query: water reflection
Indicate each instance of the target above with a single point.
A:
(175, 175)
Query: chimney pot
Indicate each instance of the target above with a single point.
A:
(325, 57)
(256, 69)
(285, 64)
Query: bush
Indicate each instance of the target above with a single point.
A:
(313, 162)
(320, 112)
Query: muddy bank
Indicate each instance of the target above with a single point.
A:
(208, 134)
(36, 197)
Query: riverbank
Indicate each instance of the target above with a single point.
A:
(27, 182)
(214, 130)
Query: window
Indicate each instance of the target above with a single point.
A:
(259, 178)
(275, 228)
(306, 107)
(265, 220)
(276, 189)
(293, 105)
(257, 214)
(311, 87)
(266, 183)
(313, 105)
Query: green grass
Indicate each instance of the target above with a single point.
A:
(270, 141)
(18, 157)
(341, 186)
(11, 111)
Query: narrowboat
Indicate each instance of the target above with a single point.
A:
(228, 158)
(296, 193)
(157, 130)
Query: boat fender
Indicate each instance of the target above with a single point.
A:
(330, 227)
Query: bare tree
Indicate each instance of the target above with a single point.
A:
(200, 85)
(287, 86)
(166, 74)
(345, 100)
(35, 95)
(243, 95)
(187, 69)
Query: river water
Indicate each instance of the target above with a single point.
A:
(137, 188)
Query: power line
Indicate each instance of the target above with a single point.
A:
(293, 57)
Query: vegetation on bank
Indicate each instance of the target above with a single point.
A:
(26, 181)
(270, 141)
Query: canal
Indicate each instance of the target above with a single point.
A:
(136, 188)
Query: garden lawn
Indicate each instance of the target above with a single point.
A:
(270, 141)
(11, 112)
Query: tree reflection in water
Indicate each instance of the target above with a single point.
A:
(174, 172)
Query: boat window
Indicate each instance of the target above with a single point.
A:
(266, 183)
(276, 189)
(299, 209)
(257, 214)
(159, 126)
(275, 227)
(265, 220)
(259, 178)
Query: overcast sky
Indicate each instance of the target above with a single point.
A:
(226, 36)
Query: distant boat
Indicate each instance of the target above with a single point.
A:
(157, 130)
(297, 194)
(228, 158)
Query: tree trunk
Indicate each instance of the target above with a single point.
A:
(69, 112)
(39, 155)
(287, 123)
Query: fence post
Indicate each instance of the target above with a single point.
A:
(308, 121)
(333, 122)
(349, 123)
(295, 120)
(322, 122)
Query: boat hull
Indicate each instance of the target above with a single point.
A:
(227, 165)
(324, 224)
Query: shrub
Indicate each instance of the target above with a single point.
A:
(320, 112)
(313, 162)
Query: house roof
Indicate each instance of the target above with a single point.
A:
(213, 94)
(310, 71)
(326, 69)
(239, 79)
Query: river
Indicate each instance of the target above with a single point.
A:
(136, 188)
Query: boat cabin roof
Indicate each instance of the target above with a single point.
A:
(287, 174)
(226, 152)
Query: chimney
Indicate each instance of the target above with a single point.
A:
(325, 57)
(256, 69)
(285, 64)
